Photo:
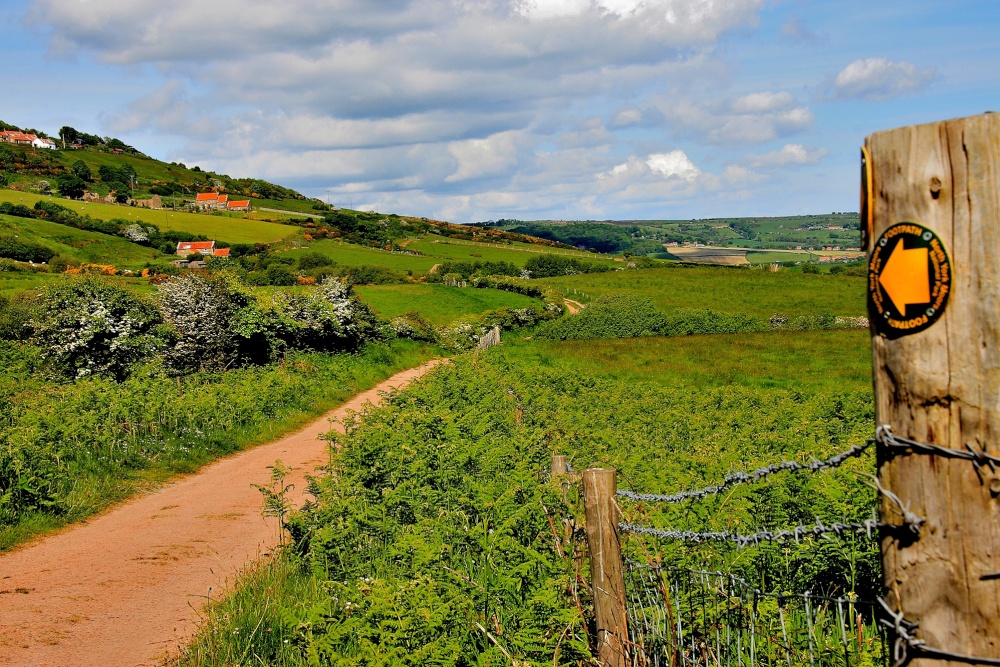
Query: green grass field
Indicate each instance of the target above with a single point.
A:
(230, 228)
(349, 254)
(516, 253)
(80, 245)
(813, 360)
(755, 292)
(438, 303)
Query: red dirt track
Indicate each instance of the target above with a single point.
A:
(125, 588)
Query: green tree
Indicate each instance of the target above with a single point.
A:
(68, 135)
(279, 274)
(82, 171)
(70, 185)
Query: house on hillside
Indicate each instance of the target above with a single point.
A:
(207, 248)
(17, 138)
(207, 200)
(25, 139)
(242, 205)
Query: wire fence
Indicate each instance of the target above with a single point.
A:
(679, 617)
(693, 618)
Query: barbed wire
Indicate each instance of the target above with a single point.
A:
(818, 530)
(885, 437)
(906, 647)
(737, 478)
(911, 522)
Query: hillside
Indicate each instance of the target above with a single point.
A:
(834, 231)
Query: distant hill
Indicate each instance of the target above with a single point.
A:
(641, 237)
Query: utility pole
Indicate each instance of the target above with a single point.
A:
(931, 227)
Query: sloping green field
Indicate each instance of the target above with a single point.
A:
(229, 227)
(77, 244)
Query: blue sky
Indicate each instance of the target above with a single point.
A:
(480, 109)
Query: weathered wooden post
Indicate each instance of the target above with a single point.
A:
(558, 465)
(931, 227)
(606, 571)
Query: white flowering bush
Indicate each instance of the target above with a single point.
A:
(204, 313)
(92, 327)
(135, 233)
(329, 318)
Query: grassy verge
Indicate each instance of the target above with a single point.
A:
(80, 447)
(431, 542)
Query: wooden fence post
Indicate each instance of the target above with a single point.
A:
(937, 370)
(558, 465)
(606, 571)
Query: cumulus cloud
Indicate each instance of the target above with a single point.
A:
(876, 79)
(795, 154)
(468, 103)
(673, 164)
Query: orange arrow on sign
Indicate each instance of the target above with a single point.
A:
(905, 278)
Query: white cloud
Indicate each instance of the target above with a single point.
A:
(755, 118)
(762, 102)
(452, 105)
(480, 158)
(673, 164)
(796, 154)
(876, 79)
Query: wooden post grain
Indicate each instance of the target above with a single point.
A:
(558, 465)
(606, 571)
(942, 385)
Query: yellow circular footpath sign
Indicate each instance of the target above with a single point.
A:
(909, 280)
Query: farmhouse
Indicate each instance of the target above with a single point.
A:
(24, 139)
(207, 248)
(206, 200)
(242, 205)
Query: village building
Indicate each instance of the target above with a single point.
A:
(206, 200)
(213, 201)
(24, 139)
(207, 248)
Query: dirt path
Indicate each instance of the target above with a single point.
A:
(572, 306)
(125, 588)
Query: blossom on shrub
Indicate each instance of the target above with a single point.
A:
(135, 233)
(91, 327)
(202, 310)
(330, 317)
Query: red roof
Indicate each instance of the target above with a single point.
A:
(14, 135)
(221, 252)
(223, 199)
(195, 246)
(238, 204)
(207, 196)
